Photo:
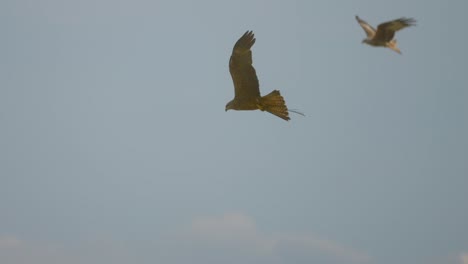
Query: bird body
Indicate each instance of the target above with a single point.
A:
(273, 103)
(383, 36)
(246, 86)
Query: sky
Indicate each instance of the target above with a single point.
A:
(115, 146)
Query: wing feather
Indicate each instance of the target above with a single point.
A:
(370, 31)
(243, 74)
(386, 31)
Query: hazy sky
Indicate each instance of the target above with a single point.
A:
(115, 146)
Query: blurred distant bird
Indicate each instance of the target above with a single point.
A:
(246, 87)
(383, 36)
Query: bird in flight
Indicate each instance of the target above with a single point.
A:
(246, 87)
(383, 36)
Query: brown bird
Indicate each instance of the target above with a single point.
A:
(383, 36)
(246, 87)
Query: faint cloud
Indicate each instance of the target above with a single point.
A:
(22, 251)
(230, 229)
(224, 225)
(230, 226)
(18, 251)
(308, 247)
(464, 258)
(8, 242)
(238, 231)
(229, 238)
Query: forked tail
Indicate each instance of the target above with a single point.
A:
(274, 103)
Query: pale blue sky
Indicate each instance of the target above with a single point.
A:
(115, 146)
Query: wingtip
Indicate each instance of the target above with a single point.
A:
(250, 34)
(409, 21)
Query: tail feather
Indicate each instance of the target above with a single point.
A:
(274, 103)
(393, 46)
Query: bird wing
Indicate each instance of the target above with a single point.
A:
(386, 31)
(370, 31)
(240, 66)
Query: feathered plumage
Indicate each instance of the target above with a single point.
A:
(383, 36)
(246, 86)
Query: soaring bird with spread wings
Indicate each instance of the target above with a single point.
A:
(383, 36)
(246, 87)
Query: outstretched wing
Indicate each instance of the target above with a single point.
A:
(370, 31)
(386, 31)
(240, 66)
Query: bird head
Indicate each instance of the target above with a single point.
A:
(229, 105)
(234, 104)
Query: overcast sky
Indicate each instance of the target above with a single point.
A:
(115, 146)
